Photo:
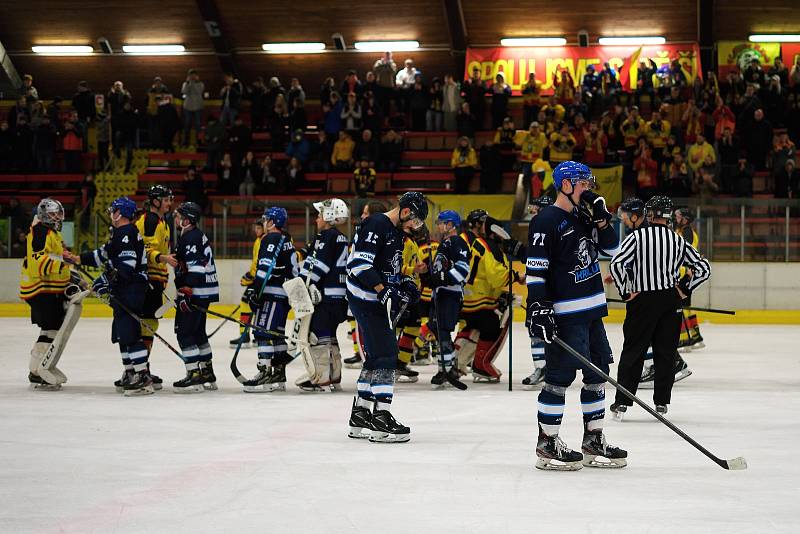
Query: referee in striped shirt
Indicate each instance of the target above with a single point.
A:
(646, 273)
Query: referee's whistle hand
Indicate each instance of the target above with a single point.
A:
(632, 296)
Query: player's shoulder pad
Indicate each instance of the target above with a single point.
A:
(150, 225)
(39, 237)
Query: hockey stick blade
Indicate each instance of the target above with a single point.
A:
(737, 464)
(455, 382)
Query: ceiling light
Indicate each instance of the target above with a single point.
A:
(612, 41)
(386, 46)
(154, 50)
(293, 48)
(63, 50)
(533, 41)
(773, 38)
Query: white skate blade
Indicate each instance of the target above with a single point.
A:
(698, 345)
(158, 387)
(46, 387)
(353, 365)
(147, 390)
(550, 464)
(591, 460)
(312, 389)
(385, 437)
(477, 379)
(618, 416)
(336, 387)
(685, 349)
(197, 388)
(407, 379)
(531, 387)
(210, 386)
(357, 432)
(265, 388)
(684, 373)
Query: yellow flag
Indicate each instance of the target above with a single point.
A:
(633, 68)
(609, 184)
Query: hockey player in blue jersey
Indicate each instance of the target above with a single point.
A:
(566, 298)
(449, 272)
(376, 292)
(324, 272)
(277, 262)
(197, 284)
(125, 279)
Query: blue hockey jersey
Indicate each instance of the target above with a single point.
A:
(376, 257)
(326, 264)
(453, 255)
(196, 267)
(284, 260)
(562, 265)
(124, 252)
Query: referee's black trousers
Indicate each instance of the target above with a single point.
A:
(652, 319)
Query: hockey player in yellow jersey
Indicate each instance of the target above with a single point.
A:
(53, 295)
(410, 323)
(690, 328)
(245, 313)
(425, 348)
(156, 236)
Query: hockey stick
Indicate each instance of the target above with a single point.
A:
(694, 308)
(736, 464)
(511, 321)
(217, 329)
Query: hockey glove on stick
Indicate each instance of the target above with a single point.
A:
(597, 207)
(314, 294)
(513, 248)
(101, 285)
(411, 290)
(540, 321)
(183, 299)
(393, 296)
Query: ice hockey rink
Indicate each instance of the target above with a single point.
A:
(86, 459)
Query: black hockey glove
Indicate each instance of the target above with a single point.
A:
(597, 207)
(683, 285)
(540, 321)
(183, 299)
(410, 288)
(513, 248)
(392, 298)
(101, 286)
(441, 266)
(253, 298)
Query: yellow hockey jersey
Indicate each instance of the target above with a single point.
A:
(43, 271)
(248, 278)
(426, 254)
(488, 275)
(691, 237)
(155, 233)
(410, 259)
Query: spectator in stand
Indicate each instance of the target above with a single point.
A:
(320, 153)
(646, 172)
(274, 90)
(774, 102)
(126, 124)
(239, 140)
(298, 120)
(596, 143)
(505, 140)
(226, 176)
(22, 145)
(193, 92)
(15, 212)
(609, 85)
(434, 118)
(787, 180)
(295, 175)
(299, 147)
(746, 106)
(404, 82)
(278, 122)
(385, 71)
(352, 84)
(562, 143)
(249, 175)
(678, 178)
(553, 110)
(155, 94)
(6, 147)
(464, 161)
(728, 157)
(754, 74)
(231, 96)
(115, 101)
(73, 143)
(531, 99)
(668, 155)
(500, 92)
(698, 153)
(88, 194)
(563, 86)
(466, 123)
(418, 99)
(743, 179)
(371, 112)
(364, 179)
(532, 146)
(578, 131)
(215, 137)
(342, 155)
(169, 123)
(194, 188)
(391, 153)
(473, 91)
(783, 149)
(675, 106)
(257, 95)
(590, 87)
(368, 147)
(28, 90)
(351, 113)
(370, 84)
(677, 74)
(794, 75)
(492, 165)
(644, 81)
(19, 247)
(45, 146)
(704, 185)
(54, 111)
(793, 117)
(295, 93)
(19, 109)
(327, 89)
(451, 104)
(83, 102)
(269, 179)
(779, 69)
(38, 113)
(723, 118)
(332, 116)
(657, 131)
(758, 140)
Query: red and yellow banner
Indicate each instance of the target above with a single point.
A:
(790, 53)
(517, 63)
(736, 55)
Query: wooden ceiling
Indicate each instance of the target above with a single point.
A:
(247, 24)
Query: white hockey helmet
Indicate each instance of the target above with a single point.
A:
(333, 210)
(50, 213)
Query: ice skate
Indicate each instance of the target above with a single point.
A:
(192, 383)
(360, 422)
(233, 343)
(120, 383)
(681, 370)
(140, 384)
(534, 380)
(648, 376)
(158, 382)
(618, 411)
(385, 429)
(554, 455)
(440, 379)
(312, 388)
(353, 362)
(404, 374)
(208, 376)
(479, 375)
(267, 380)
(661, 408)
(598, 453)
(38, 383)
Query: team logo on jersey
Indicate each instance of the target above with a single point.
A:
(397, 261)
(587, 267)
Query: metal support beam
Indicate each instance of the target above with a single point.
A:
(213, 23)
(10, 80)
(457, 30)
(705, 34)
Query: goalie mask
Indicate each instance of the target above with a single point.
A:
(333, 211)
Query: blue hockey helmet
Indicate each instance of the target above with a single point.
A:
(277, 215)
(449, 216)
(125, 206)
(572, 171)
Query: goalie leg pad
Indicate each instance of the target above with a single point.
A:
(46, 367)
(317, 360)
(465, 345)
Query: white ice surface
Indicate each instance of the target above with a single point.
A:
(86, 459)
